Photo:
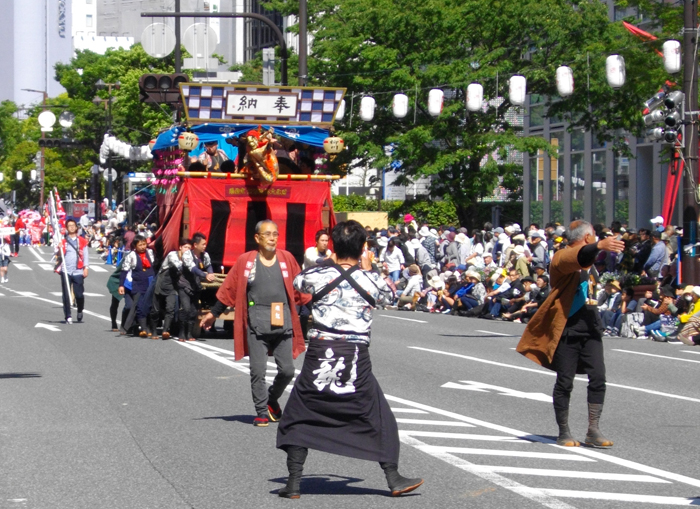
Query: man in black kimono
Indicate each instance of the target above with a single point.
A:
(337, 405)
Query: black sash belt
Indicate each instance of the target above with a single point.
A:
(344, 276)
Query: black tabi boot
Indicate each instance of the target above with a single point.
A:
(296, 456)
(184, 331)
(397, 483)
(565, 438)
(594, 438)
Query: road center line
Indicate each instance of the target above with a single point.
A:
(691, 351)
(406, 319)
(654, 355)
(551, 373)
(494, 333)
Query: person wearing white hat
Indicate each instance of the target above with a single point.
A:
(658, 223)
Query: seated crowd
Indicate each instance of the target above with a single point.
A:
(502, 274)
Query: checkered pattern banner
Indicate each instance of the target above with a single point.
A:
(208, 103)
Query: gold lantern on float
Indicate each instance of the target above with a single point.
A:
(333, 145)
(187, 141)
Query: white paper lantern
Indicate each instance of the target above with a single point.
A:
(565, 81)
(367, 108)
(19, 175)
(672, 56)
(341, 111)
(517, 90)
(32, 175)
(435, 99)
(615, 70)
(399, 105)
(475, 96)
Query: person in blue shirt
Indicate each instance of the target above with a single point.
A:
(657, 257)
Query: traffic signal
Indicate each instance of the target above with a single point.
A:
(161, 88)
(666, 110)
(60, 143)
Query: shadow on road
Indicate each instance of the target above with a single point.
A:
(478, 336)
(334, 485)
(245, 419)
(19, 375)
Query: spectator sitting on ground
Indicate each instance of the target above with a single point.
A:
(609, 303)
(447, 300)
(628, 305)
(530, 308)
(653, 311)
(529, 290)
(691, 294)
(408, 297)
(472, 294)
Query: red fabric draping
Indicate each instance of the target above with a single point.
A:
(673, 180)
(198, 193)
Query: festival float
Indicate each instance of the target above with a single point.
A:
(246, 153)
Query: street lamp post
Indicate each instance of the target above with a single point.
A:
(43, 136)
(101, 85)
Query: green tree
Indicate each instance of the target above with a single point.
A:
(380, 47)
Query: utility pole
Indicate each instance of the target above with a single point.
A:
(303, 43)
(690, 265)
(178, 50)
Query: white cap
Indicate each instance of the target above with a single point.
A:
(658, 220)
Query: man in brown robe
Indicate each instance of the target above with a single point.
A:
(565, 335)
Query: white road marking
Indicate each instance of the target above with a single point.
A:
(46, 266)
(37, 254)
(405, 319)
(536, 438)
(691, 351)
(575, 474)
(36, 297)
(468, 385)
(52, 328)
(494, 333)
(408, 411)
(462, 436)
(88, 294)
(543, 496)
(654, 355)
(434, 423)
(618, 497)
(492, 477)
(21, 266)
(551, 373)
(97, 268)
(430, 449)
(2, 294)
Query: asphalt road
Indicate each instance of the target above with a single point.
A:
(89, 419)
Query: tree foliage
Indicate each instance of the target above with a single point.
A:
(381, 47)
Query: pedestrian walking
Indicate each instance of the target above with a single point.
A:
(196, 267)
(134, 281)
(75, 262)
(565, 334)
(259, 287)
(337, 405)
(5, 254)
(165, 297)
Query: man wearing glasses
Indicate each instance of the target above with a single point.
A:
(260, 289)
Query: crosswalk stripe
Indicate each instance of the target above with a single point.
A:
(619, 497)
(435, 423)
(21, 266)
(46, 266)
(575, 474)
(408, 411)
(2, 294)
(462, 436)
(499, 452)
(97, 268)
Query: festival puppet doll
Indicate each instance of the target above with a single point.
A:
(260, 161)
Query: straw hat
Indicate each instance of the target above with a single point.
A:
(436, 282)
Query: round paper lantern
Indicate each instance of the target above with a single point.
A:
(341, 111)
(517, 90)
(475, 96)
(399, 105)
(151, 144)
(187, 141)
(333, 145)
(435, 97)
(672, 56)
(32, 174)
(367, 108)
(19, 175)
(615, 70)
(565, 81)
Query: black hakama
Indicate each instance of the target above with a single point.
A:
(337, 406)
